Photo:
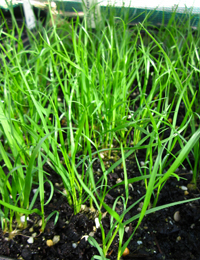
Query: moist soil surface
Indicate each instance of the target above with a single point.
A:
(159, 236)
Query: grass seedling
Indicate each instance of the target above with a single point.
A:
(88, 92)
(155, 180)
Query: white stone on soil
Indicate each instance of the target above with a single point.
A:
(177, 216)
(30, 240)
(56, 239)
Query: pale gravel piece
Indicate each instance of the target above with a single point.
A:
(30, 240)
(74, 245)
(91, 234)
(22, 218)
(126, 229)
(34, 191)
(177, 216)
(118, 180)
(56, 239)
(142, 163)
(183, 188)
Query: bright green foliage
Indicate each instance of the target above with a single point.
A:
(71, 92)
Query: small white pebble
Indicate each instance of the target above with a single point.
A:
(118, 180)
(22, 218)
(177, 216)
(40, 223)
(142, 163)
(101, 155)
(83, 207)
(34, 234)
(91, 234)
(139, 242)
(30, 240)
(183, 187)
(34, 190)
(56, 239)
(97, 224)
(126, 229)
(130, 116)
(74, 245)
(64, 192)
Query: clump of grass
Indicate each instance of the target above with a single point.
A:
(77, 92)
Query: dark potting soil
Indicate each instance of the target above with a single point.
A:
(160, 235)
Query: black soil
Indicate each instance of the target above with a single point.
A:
(158, 237)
